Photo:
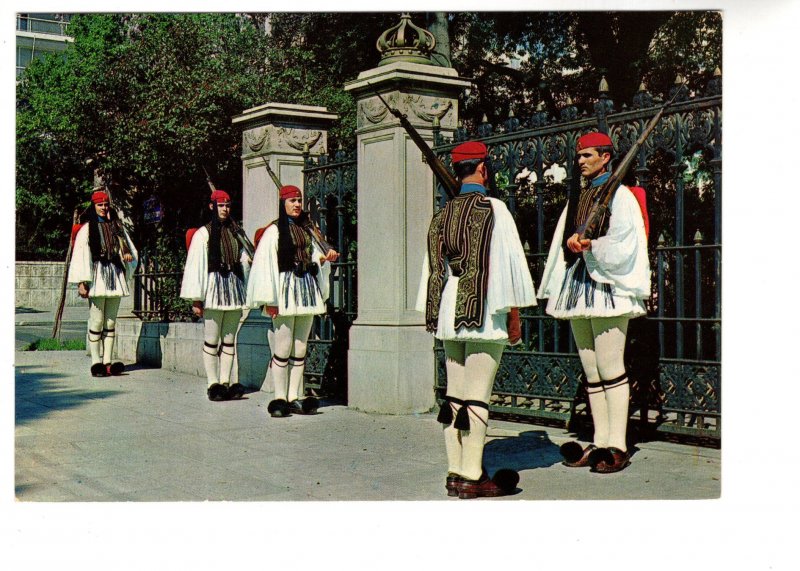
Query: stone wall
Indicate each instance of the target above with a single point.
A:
(38, 286)
(178, 346)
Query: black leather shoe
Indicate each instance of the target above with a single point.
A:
(308, 405)
(235, 391)
(278, 408)
(99, 370)
(217, 392)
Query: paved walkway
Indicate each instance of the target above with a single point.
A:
(151, 435)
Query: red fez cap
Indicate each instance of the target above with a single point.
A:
(594, 140)
(290, 191)
(468, 150)
(220, 195)
(99, 196)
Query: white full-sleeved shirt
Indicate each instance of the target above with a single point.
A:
(291, 294)
(82, 268)
(198, 283)
(619, 258)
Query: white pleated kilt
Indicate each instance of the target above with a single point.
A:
(108, 281)
(225, 292)
(300, 295)
(494, 329)
(580, 297)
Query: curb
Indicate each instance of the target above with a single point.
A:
(46, 323)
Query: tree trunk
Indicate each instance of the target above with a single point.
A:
(618, 45)
(438, 26)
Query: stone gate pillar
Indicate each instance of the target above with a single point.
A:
(390, 360)
(278, 133)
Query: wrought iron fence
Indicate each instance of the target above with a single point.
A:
(156, 293)
(674, 353)
(330, 197)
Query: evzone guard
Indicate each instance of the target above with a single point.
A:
(290, 281)
(475, 273)
(103, 259)
(215, 281)
(599, 285)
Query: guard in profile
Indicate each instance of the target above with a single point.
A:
(103, 260)
(599, 284)
(475, 272)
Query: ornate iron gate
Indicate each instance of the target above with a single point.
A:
(673, 355)
(330, 196)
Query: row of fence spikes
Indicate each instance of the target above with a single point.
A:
(698, 238)
(603, 90)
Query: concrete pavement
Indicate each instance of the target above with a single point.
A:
(151, 435)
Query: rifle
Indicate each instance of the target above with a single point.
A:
(442, 174)
(315, 232)
(62, 299)
(599, 207)
(244, 241)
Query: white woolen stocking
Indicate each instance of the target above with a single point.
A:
(480, 366)
(227, 357)
(300, 332)
(454, 365)
(618, 400)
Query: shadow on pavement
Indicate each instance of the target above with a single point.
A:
(19, 309)
(38, 394)
(530, 450)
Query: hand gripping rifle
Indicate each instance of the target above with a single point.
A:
(244, 241)
(315, 232)
(606, 193)
(442, 174)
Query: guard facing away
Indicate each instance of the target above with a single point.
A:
(474, 274)
(599, 285)
(290, 281)
(103, 260)
(215, 280)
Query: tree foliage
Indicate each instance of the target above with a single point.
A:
(147, 99)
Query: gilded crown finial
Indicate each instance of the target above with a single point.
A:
(405, 42)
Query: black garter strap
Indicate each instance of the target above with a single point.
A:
(462, 416)
(280, 362)
(295, 361)
(446, 410)
(616, 380)
(593, 388)
(229, 345)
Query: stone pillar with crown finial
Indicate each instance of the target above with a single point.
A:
(390, 359)
(277, 133)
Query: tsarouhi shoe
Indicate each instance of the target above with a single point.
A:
(308, 405)
(451, 484)
(116, 368)
(575, 455)
(609, 460)
(503, 483)
(278, 408)
(217, 392)
(99, 370)
(235, 391)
